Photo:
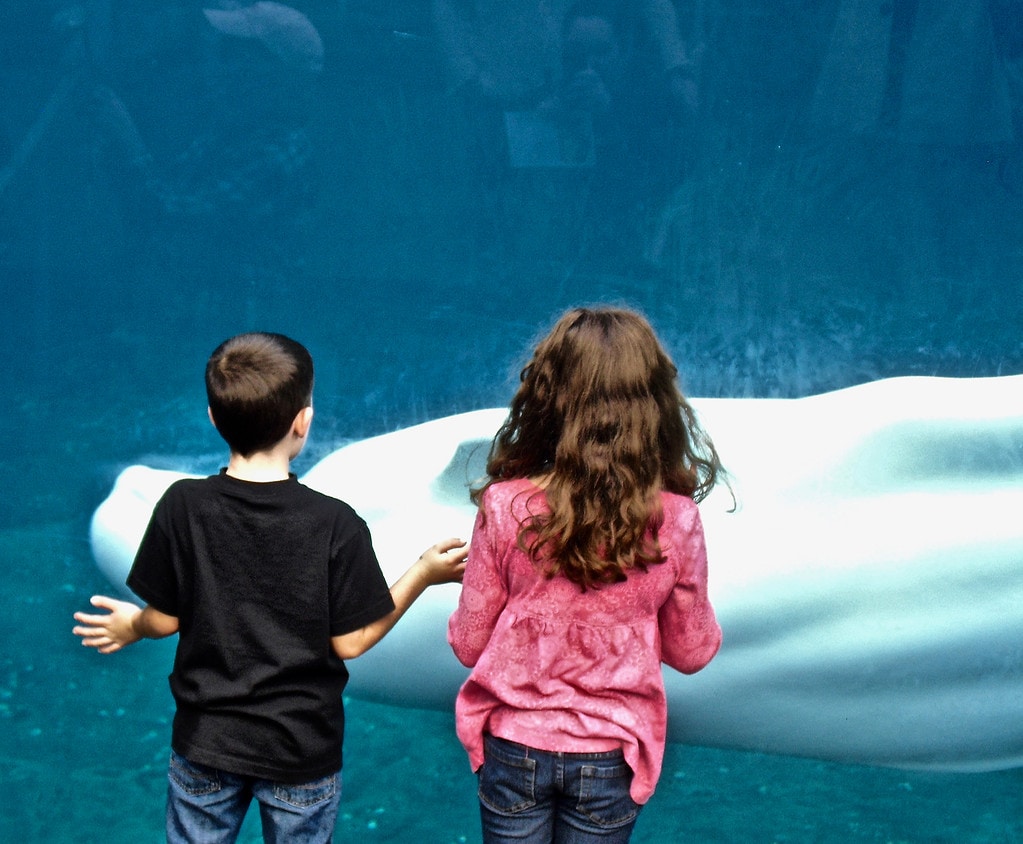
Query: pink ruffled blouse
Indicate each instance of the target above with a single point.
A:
(563, 670)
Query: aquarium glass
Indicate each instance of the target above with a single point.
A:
(801, 196)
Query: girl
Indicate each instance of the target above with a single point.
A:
(588, 569)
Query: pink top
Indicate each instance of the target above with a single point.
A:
(559, 669)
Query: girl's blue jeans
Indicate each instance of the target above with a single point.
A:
(208, 805)
(534, 796)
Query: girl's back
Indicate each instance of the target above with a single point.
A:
(572, 670)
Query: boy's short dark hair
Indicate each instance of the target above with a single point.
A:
(256, 384)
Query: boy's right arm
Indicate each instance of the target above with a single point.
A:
(124, 625)
(441, 563)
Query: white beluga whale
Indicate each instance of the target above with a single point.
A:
(869, 582)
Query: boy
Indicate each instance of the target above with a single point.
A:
(270, 586)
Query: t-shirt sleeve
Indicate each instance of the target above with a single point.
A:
(153, 576)
(359, 594)
(690, 633)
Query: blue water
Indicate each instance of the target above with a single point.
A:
(795, 260)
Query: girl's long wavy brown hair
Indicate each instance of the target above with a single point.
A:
(600, 417)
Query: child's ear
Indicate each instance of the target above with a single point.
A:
(209, 413)
(302, 422)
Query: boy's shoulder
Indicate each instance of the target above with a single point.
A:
(291, 493)
(328, 502)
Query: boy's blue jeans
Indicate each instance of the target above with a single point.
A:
(534, 796)
(208, 805)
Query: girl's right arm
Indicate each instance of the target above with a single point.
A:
(690, 633)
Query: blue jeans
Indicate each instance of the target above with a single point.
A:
(538, 797)
(207, 806)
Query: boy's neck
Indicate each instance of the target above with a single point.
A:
(260, 467)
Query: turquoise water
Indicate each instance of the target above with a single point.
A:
(793, 262)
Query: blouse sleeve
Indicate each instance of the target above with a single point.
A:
(690, 634)
(483, 597)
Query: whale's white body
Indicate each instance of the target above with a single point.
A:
(870, 583)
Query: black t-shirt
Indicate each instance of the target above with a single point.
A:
(260, 576)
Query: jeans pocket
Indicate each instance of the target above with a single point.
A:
(507, 778)
(307, 794)
(192, 778)
(604, 793)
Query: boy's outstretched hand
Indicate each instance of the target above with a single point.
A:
(123, 625)
(110, 632)
(444, 562)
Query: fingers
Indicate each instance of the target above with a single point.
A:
(90, 626)
(98, 638)
(102, 602)
(94, 620)
(105, 603)
(451, 544)
(94, 629)
(446, 551)
(444, 562)
(104, 647)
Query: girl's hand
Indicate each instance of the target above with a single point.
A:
(444, 562)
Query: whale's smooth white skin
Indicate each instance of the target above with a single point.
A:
(869, 583)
